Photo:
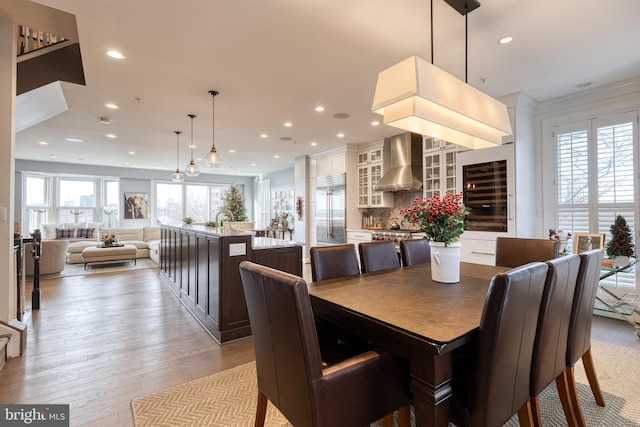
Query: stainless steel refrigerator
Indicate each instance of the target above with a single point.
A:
(330, 209)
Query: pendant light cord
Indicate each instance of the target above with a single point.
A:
(177, 149)
(466, 47)
(431, 32)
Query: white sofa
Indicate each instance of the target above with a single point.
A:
(81, 235)
(145, 239)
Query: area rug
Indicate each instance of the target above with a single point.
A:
(78, 269)
(229, 398)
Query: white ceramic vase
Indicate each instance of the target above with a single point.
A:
(445, 262)
(620, 261)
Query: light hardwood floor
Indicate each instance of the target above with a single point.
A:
(100, 341)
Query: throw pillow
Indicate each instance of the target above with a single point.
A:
(84, 233)
(64, 234)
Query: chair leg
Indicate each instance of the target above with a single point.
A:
(573, 396)
(525, 415)
(261, 409)
(536, 417)
(562, 383)
(404, 416)
(590, 369)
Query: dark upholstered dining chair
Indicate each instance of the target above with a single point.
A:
(415, 252)
(579, 343)
(354, 392)
(330, 262)
(378, 255)
(491, 381)
(550, 348)
(515, 251)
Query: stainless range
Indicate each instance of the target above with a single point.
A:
(396, 236)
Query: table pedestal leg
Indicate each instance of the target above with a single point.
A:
(431, 388)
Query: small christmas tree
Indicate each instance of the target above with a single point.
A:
(621, 240)
(233, 201)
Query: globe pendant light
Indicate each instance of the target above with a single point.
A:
(177, 176)
(192, 169)
(212, 158)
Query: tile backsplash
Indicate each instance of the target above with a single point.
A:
(385, 216)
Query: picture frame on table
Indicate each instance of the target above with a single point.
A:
(587, 241)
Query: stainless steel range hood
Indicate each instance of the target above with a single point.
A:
(405, 169)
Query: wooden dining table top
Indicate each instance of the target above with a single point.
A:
(442, 315)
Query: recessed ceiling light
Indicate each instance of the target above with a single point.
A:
(319, 108)
(253, 164)
(314, 143)
(288, 124)
(232, 151)
(286, 138)
(43, 143)
(126, 163)
(110, 135)
(74, 140)
(340, 116)
(53, 156)
(505, 39)
(115, 54)
(131, 152)
(341, 135)
(585, 84)
(375, 123)
(264, 135)
(112, 106)
(276, 157)
(105, 120)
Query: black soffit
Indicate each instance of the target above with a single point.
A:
(463, 6)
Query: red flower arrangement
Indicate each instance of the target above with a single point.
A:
(441, 219)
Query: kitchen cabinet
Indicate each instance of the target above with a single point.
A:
(370, 167)
(330, 164)
(357, 236)
(522, 211)
(439, 163)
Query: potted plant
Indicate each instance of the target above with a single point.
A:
(442, 221)
(187, 220)
(621, 246)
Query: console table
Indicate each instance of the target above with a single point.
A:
(622, 306)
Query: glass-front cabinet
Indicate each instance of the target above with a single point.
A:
(369, 170)
(439, 167)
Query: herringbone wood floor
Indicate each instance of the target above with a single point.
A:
(100, 341)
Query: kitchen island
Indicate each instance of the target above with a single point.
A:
(201, 266)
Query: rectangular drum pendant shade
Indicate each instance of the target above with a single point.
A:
(416, 96)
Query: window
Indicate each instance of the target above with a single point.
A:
(169, 202)
(76, 200)
(198, 201)
(597, 178)
(57, 199)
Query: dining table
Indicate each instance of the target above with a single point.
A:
(407, 313)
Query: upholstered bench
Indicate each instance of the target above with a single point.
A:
(94, 254)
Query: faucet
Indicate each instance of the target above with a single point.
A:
(223, 211)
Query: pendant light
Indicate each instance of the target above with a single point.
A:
(416, 96)
(192, 169)
(212, 158)
(177, 176)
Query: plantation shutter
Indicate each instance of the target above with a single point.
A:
(596, 164)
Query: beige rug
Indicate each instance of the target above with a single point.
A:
(229, 398)
(99, 268)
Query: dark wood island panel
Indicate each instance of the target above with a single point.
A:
(201, 267)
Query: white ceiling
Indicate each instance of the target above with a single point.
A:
(274, 60)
